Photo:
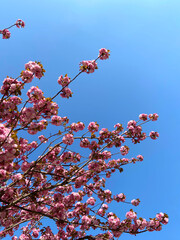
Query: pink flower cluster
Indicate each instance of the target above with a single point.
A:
(68, 139)
(140, 157)
(135, 202)
(154, 135)
(36, 68)
(104, 53)
(35, 127)
(143, 116)
(68, 157)
(11, 86)
(4, 132)
(43, 139)
(28, 114)
(93, 127)
(75, 127)
(124, 150)
(152, 117)
(88, 66)
(120, 197)
(162, 217)
(131, 215)
(114, 222)
(135, 132)
(66, 93)
(85, 143)
(64, 81)
(56, 120)
(6, 33)
(91, 201)
(35, 94)
(27, 76)
(118, 127)
(20, 23)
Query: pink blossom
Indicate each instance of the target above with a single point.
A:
(35, 94)
(160, 216)
(104, 53)
(23, 237)
(101, 212)
(104, 206)
(43, 139)
(124, 150)
(70, 229)
(131, 215)
(131, 123)
(135, 202)
(140, 158)
(68, 139)
(165, 221)
(91, 201)
(81, 125)
(20, 23)
(154, 135)
(74, 127)
(35, 233)
(36, 68)
(3, 174)
(153, 116)
(56, 120)
(68, 157)
(11, 86)
(104, 133)
(86, 220)
(114, 222)
(66, 93)
(17, 177)
(84, 143)
(125, 160)
(118, 127)
(15, 238)
(34, 144)
(64, 81)
(6, 33)
(88, 66)
(27, 76)
(93, 127)
(25, 166)
(120, 197)
(106, 155)
(143, 116)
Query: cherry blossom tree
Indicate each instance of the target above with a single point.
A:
(45, 178)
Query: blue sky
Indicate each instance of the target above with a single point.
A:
(141, 76)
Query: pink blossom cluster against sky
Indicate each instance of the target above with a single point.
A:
(142, 76)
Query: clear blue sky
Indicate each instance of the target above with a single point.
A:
(141, 76)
